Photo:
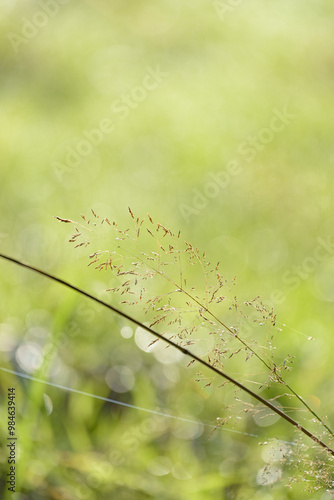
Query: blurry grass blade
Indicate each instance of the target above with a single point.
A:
(121, 403)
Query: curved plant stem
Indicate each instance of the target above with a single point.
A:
(186, 352)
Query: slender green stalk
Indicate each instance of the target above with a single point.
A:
(186, 352)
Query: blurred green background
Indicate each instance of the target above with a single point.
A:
(217, 119)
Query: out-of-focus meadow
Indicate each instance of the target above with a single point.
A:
(216, 118)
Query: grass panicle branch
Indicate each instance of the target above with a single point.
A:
(169, 254)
